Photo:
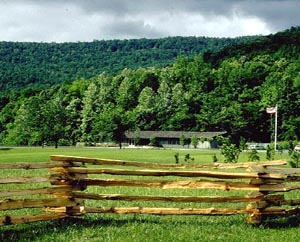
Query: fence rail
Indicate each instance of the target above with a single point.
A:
(74, 181)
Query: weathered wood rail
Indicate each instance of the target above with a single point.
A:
(15, 191)
(255, 189)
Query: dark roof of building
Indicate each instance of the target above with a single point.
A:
(171, 134)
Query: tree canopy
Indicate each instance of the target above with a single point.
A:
(221, 91)
(38, 65)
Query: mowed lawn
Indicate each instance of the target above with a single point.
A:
(107, 227)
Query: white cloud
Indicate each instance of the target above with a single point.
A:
(213, 26)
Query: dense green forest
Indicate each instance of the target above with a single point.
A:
(44, 64)
(214, 91)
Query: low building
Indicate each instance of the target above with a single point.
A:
(206, 140)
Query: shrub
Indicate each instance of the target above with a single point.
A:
(153, 141)
(194, 141)
(176, 158)
(230, 152)
(243, 144)
(182, 140)
(215, 159)
(253, 155)
(270, 152)
(188, 158)
(295, 162)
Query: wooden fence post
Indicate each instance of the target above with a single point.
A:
(62, 176)
(256, 217)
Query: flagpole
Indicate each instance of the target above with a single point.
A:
(275, 138)
(272, 110)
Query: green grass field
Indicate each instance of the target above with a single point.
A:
(106, 227)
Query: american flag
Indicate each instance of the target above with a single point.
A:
(272, 110)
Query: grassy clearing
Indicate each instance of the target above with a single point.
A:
(151, 155)
(39, 154)
(106, 227)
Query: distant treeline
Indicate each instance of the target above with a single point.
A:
(226, 90)
(44, 64)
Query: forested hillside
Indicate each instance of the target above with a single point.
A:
(44, 64)
(227, 90)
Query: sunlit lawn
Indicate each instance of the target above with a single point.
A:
(37, 154)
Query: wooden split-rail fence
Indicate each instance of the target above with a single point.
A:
(72, 186)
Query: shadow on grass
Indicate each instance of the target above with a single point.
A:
(34, 231)
(281, 223)
(5, 148)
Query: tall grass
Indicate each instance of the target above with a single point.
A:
(108, 227)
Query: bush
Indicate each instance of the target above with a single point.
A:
(215, 158)
(286, 145)
(253, 155)
(270, 152)
(182, 140)
(230, 152)
(194, 141)
(295, 162)
(188, 158)
(64, 142)
(176, 158)
(243, 143)
(153, 141)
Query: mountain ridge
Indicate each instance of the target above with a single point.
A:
(39, 65)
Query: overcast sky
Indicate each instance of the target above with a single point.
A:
(88, 20)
